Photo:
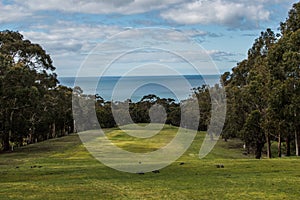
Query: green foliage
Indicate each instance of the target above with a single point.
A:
(30, 99)
(292, 23)
(253, 134)
(140, 111)
(267, 84)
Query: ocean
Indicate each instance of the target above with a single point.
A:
(135, 87)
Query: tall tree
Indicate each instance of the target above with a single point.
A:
(247, 91)
(26, 73)
(284, 62)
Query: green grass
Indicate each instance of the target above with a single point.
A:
(63, 169)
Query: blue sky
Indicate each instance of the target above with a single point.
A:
(70, 29)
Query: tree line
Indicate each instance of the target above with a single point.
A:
(150, 109)
(263, 91)
(33, 107)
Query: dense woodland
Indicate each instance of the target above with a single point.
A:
(263, 95)
(141, 111)
(33, 107)
(263, 91)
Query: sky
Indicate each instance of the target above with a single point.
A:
(118, 36)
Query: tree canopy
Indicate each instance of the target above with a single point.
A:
(263, 90)
(31, 104)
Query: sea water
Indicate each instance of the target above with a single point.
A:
(135, 87)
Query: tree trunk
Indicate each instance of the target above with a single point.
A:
(7, 134)
(53, 130)
(297, 143)
(74, 127)
(5, 141)
(64, 129)
(269, 153)
(30, 140)
(49, 132)
(288, 145)
(34, 137)
(279, 145)
(258, 151)
(4, 138)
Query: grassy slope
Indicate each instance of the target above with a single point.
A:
(63, 169)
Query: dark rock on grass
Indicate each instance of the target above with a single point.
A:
(35, 166)
(17, 167)
(156, 171)
(220, 166)
(141, 173)
(182, 163)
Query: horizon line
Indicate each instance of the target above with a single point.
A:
(110, 76)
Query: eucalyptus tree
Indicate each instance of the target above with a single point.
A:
(284, 63)
(26, 75)
(247, 95)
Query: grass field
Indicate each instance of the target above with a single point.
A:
(63, 169)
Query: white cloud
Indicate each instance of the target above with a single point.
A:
(218, 55)
(230, 13)
(11, 13)
(223, 12)
(68, 43)
(64, 37)
(98, 6)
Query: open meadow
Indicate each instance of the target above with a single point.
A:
(158, 71)
(63, 169)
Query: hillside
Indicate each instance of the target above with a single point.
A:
(63, 169)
